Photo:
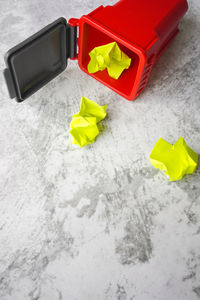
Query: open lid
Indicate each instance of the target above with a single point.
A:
(39, 59)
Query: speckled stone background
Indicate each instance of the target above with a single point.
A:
(98, 222)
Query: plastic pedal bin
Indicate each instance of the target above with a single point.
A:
(143, 30)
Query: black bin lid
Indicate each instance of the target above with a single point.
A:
(39, 59)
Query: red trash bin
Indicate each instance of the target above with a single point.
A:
(143, 30)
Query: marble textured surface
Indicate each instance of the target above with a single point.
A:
(98, 222)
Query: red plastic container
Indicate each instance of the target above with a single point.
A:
(143, 30)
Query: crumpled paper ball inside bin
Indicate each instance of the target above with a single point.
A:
(111, 57)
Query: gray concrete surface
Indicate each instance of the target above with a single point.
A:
(98, 222)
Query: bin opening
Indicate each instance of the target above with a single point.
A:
(93, 37)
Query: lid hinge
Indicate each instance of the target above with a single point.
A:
(73, 42)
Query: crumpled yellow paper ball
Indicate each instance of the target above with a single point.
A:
(84, 128)
(89, 108)
(111, 57)
(175, 160)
